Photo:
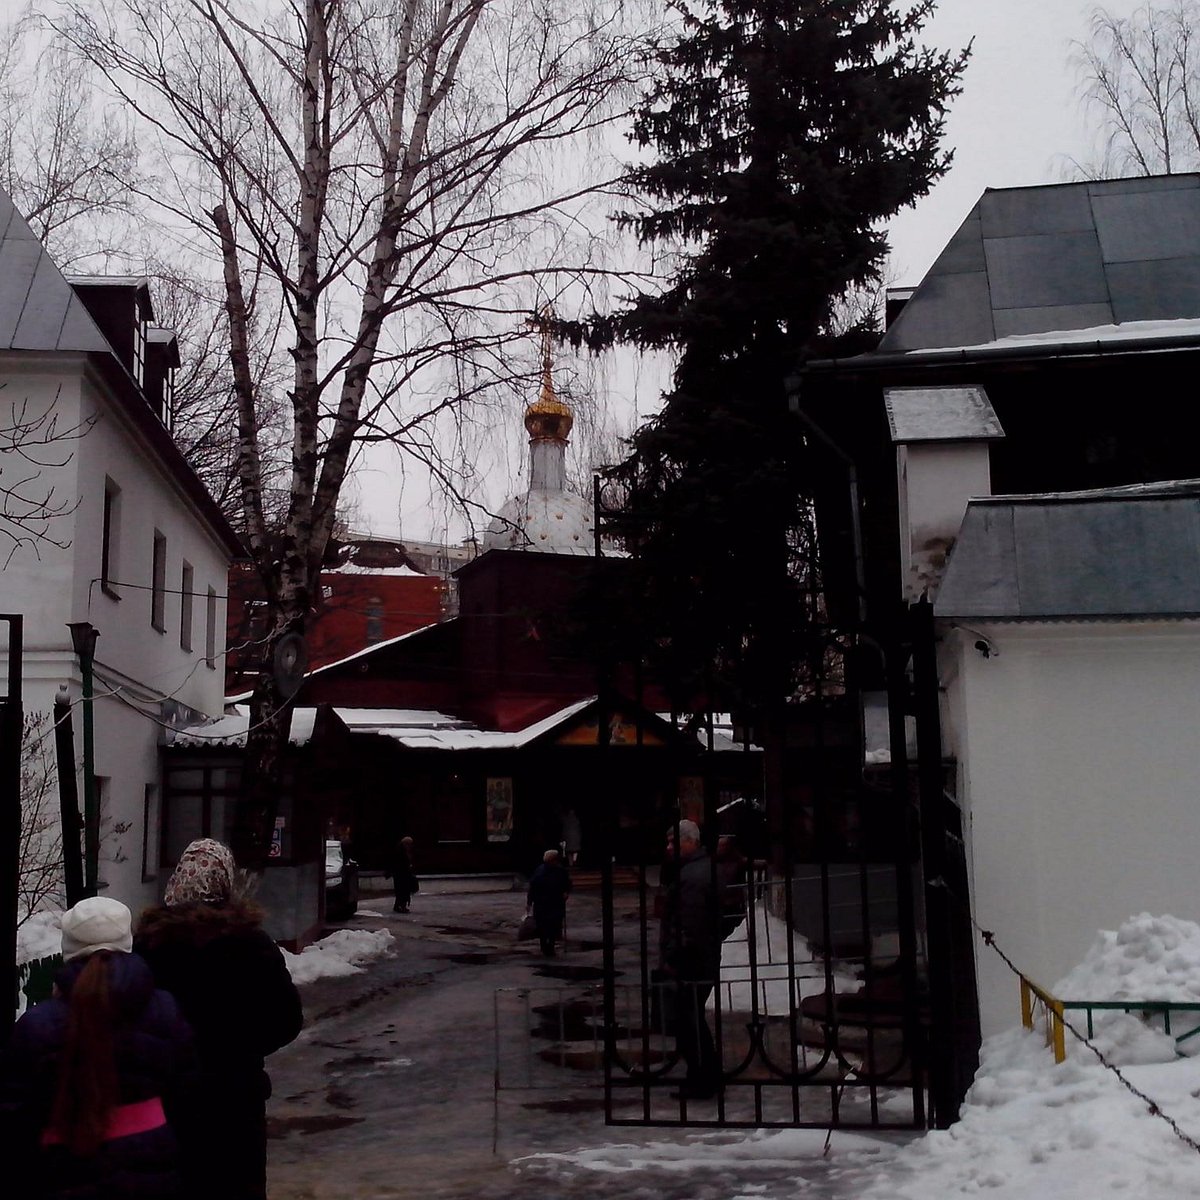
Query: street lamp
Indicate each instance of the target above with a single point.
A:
(83, 639)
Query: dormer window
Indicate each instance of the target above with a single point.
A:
(168, 408)
(139, 349)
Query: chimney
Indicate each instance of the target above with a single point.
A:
(942, 437)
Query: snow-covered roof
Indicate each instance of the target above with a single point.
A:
(351, 568)
(231, 729)
(1185, 330)
(723, 739)
(941, 414)
(415, 729)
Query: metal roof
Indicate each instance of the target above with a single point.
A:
(941, 414)
(1116, 553)
(39, 309)
(1059, 257)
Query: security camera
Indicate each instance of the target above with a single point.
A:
(984, 647)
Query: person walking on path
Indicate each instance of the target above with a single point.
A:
(404, 878)
(94, 1083)
(691, 945)
(549, 887)
(207, 947)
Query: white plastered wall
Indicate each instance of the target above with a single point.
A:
(1079, 784)
(55, 585)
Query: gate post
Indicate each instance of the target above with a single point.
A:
(954, 1029)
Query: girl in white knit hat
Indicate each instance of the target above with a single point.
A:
(93, 1082)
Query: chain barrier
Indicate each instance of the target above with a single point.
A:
(1152, 1106)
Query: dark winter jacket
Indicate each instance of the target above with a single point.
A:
(548, 889)
(691, 935)
(400, 870)
(233, 985)
(155, 1057)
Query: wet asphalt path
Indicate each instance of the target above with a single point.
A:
(390, 1090)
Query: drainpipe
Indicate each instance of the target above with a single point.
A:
(83, 639)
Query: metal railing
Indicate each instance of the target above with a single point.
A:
(1035, 999)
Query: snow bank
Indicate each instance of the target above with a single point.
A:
(39, 936)
(341, 953)
(771, 976)
(1148, 958)
(1033, 1130)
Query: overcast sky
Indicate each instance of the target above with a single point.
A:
(1019, 121)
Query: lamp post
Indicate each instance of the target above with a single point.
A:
(83, 639)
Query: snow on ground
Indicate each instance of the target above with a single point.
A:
(1030, 1129)
(341, 953)
(1034, 1130)
(771, 976)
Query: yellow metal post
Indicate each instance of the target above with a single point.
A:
(1026, 1004)
(1058, 1031)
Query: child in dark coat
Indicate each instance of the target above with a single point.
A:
(94, 1085)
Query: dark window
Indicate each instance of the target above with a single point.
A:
(110, 539)
(168, 408)
(139, 349)
(151, 851)
(374, 620)
(158, 589)
(186, 583)
(210, 630)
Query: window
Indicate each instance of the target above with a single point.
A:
(210, 630)
(110, 539)
(151, 851)
(139, 348)
(168, 408)
(374, 620)
(186, 583)
(158, 584)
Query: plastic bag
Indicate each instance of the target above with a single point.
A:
(527, 930)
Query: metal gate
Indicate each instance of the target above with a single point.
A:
(776, 977)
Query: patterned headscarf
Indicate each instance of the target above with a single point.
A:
(205, 873)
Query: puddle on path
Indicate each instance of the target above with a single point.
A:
(568, 971)
(281, 1127)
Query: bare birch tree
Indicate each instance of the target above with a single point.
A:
(402, 180)
(1142, 75)
(67, 163)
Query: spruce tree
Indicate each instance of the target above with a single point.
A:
(784, 133)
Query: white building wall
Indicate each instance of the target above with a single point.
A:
(136, 666)
(1080, 786)
(935, 480)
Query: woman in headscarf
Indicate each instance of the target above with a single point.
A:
(206, 946)
(94, 1081)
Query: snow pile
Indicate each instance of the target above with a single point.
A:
(39, 936)
(1148, 958)
(341, 953)
(771, 975)
(1034, 1130)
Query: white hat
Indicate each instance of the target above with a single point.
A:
(96, 923)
